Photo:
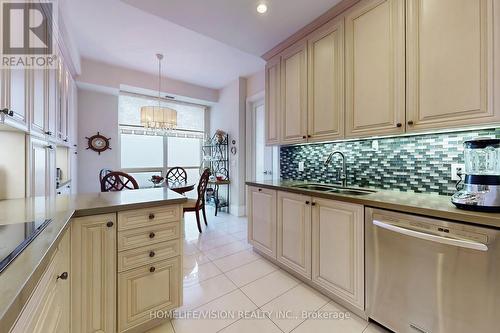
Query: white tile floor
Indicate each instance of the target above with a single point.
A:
(243, 292)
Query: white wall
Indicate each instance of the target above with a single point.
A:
(229, 115)
(110, 76)
(256, 83)
(97, 112)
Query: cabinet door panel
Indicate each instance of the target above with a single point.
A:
(38, 100)
(273, 100)
(93, 266)
(326, 82)
(375, 68)
(294, 94)
(17, 94)
(262, 220)
(294, 232)
(449, 63)
(338, 249)
(147, 289)
(39, 168)
(52, 103)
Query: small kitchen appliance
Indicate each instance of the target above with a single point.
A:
(480, 187)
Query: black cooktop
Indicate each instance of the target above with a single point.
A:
(15, 237)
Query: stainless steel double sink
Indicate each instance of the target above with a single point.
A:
(333, 189)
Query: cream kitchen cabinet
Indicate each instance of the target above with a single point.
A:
(15, 91)
(326, 82)
(294, 94)
(41, 167)
(38, 101)
(449, 64)
(338, 249)
(62, 115)
(294, 232)
(48, 309)
(262, 220)
(375, 68)
(273, 100)
(93, 265)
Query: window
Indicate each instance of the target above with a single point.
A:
(145, 153)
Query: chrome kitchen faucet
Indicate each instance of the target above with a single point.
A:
(343, 173)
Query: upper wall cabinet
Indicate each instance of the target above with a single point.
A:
(38, 100)
(16, 88)
(375, 68)
(450, 63)
(326, 82)
(273, 100)
(294, 94)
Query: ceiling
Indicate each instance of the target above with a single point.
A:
(205, 42)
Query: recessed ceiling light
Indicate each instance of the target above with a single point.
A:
(262, 8)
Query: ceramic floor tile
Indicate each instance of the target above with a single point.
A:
(227, 250)
(263, 325)
(334, 319)
(216, 315)
(163, 328)
(190, 261)
(241, 235)
(374, 328)
(236, 260)
(190, 248)
(295, 302)
(269, 287)
(250, 272)
(206, 244)
(206, 291)
(200, 273)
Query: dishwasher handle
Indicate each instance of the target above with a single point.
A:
(433, 238)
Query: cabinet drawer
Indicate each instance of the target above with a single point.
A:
(138, 218)
(147, 289)
(148, 254)
(131, 239)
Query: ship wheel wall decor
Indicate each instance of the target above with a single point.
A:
(98, 143)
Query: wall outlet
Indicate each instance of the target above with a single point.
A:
(301, 166)
(375, 145)
(454, 169)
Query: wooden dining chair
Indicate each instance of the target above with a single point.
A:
(118, 181)
(176, 175)
(195, 205)
(103, 173)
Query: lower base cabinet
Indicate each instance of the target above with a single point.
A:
(147, 290)
(338, 249)
(93, 262)
(48, 309)
(320, 240)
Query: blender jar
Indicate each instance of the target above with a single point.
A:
(482, 156)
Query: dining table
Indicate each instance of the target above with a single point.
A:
(180, 186)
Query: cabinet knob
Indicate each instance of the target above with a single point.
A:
(109, 224)
(152, 235)
(313, 203)
(151, 216)
(399, 125)
(410, 122)
(304, 137)
(260, 190)
(152, 254)
(48, 133)
(63, 276)
(309, 136)
(50, 147)
(307, 202)
(152, 269)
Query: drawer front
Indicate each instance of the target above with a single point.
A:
(146, 217)
(148, 254)
(144, 290)
(131, 239)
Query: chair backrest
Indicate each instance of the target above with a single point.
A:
(118, 181)
(176, 174)
(103, 173)
(202, 186)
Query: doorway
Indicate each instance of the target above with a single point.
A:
(264, 158)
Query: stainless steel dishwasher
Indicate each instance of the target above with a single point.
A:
(430, 275)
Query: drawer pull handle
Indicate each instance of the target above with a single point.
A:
(151, 216)
(152, 235)
(313, 204)
(410, 122)
(63, 276)
(109, 224)
(307, 202)
(152, 269)
(399, 125)
(152, 254)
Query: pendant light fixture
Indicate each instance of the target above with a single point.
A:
(158, 117)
